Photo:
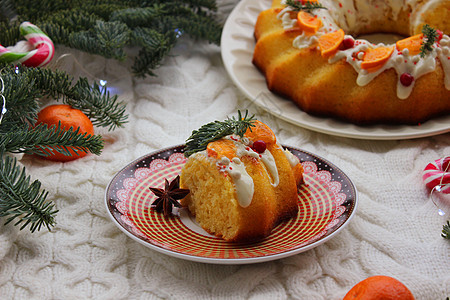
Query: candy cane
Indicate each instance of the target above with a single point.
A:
(38, 57)
(438, 172)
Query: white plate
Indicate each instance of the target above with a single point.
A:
(237, 46)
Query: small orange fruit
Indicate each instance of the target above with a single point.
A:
(329, 43)
(308, 22)
(379, 287)
(375, 58)
(69, 117)
(261, 132)
(221, 148)
(412, 43)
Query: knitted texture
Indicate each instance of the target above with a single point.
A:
(395, 232)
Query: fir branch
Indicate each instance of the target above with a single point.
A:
(216, 130)
(22, 200)
(446, 231)
(7, 12)
(95, 101)
(198, 27)
(43, 140)
(298, 5)
(107, 28)
(430, 36)
(155, 47)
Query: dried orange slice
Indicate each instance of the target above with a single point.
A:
(329, 43)
(261, 132)
(221, 148)
(413, 44)
(308, 22)
(375, 58)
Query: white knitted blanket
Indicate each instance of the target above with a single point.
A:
(395, 232)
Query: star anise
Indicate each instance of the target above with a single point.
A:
(168, 196)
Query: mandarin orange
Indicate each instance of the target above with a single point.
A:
(379, 287)
(69, 117)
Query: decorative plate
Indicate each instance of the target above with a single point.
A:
(327, 201)
(237, 46)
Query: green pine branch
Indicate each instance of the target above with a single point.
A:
(21, 200)
(429, 38)
(43, 140)
(446, 231)
(213, 131)
(94, 100)
(107, 28)
(307, 6)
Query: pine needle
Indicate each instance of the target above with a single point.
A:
(446, 231)
(307, 6)
(199, 139)
(430, 36)
(21, 200)
(107, 28)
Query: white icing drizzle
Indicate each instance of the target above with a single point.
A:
(269, 162)
(444, 56)
(243, 182)
(244, 149)
(286, 18)
(292, 159)
(305, 40)
(345, 14)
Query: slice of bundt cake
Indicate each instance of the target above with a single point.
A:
(243, 184)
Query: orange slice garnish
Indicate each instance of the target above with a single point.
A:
(221, 148)
(413, 44)
(308, 22)
(375, 58)
(329, 43)
(261, 132)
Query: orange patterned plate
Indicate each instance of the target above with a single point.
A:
(327, 201)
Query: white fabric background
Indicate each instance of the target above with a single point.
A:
(396, 230)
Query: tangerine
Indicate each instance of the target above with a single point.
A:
(379, 287)
(221, 148)
(375, 58)
(261, 132)
(329, 43)
(308, 22)
(412, 43)
(69, 117)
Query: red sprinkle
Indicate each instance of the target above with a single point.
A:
(340, 4)
(440, 35)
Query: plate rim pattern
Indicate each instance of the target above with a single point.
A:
(329, 231)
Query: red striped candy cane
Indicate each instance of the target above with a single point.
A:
(438, 173)
(42, 53)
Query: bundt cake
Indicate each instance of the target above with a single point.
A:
(241, 187)
(308, 53)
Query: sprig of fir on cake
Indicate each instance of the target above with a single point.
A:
(304, 5)
(109, 28)
(22, 201)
